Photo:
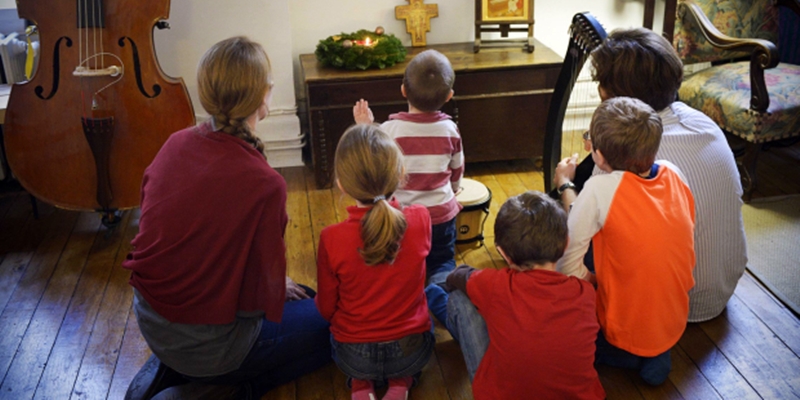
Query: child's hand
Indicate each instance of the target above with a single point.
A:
(565, 170)
(361, 112)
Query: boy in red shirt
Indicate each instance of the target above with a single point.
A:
(527, 329)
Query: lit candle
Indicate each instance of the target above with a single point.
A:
(367, 42)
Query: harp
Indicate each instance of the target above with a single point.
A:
(586, 34)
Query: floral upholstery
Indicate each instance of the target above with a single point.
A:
(735, 18)
(723, 93)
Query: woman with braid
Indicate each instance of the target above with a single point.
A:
(208, 265)
(371, 270)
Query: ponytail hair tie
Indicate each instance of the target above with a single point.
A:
(378, 198)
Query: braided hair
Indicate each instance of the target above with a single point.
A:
(369, 168)
(233, 79)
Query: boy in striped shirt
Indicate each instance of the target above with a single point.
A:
(431, 144)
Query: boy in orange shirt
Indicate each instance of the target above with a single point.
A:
(639, 218)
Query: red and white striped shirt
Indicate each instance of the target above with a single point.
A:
(434, 158)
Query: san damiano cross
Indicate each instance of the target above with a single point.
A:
(418, 19)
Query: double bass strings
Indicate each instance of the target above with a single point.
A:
(91, 56)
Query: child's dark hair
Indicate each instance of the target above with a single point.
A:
(369, 168)
(233, 78)
(531, 228)
(428, 80)
(627, 132)
(638, 63)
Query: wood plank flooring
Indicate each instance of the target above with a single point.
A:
(67, 330)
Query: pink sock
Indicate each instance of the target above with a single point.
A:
(398, 388)
(361, 390)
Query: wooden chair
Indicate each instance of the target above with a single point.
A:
(746, 91)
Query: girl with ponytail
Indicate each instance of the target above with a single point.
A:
(208, 268)
(371, 270)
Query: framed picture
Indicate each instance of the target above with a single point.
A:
(508, 11)
(503, 17)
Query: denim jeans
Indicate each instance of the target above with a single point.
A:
(284, 351)
(380, 361)
(441, 259)
(468, 328)
(654, 370)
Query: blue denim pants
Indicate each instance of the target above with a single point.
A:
(379, 361)
(284, 351)
(468, 328)
(441, 259)
(654, 370)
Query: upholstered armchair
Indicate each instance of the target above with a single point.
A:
(747, 91)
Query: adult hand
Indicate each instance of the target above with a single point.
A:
(565, 170)
(294, 291)
(362, 113)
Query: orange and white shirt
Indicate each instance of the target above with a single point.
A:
(642, 232)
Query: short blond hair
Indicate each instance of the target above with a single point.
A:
(628, 132)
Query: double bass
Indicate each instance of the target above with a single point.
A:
(80, 133)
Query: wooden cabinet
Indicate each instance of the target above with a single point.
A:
(501, 101)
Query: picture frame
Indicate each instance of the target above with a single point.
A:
(504, 16)
(505, 11)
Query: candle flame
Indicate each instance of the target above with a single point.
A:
(367, 42)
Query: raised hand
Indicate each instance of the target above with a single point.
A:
(362, 113)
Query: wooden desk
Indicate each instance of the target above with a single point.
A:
(501, 101)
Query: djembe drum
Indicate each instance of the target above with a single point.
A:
(475, 198)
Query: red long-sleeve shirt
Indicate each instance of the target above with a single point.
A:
(373, 303)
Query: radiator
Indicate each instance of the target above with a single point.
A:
(13, 52)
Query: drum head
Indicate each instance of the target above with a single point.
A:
(472, 192)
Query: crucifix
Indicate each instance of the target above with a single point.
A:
(418, 19)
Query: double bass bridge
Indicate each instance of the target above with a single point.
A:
(84, 72)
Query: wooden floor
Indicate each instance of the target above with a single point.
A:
(67, 330)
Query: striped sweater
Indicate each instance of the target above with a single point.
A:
(434, 158)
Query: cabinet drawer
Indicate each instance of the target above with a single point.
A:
(345, 94)
(505, 81)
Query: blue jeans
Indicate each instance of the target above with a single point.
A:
(283, 351)
(468, 328)
(654, 370)
(441, 259)
(379, 361)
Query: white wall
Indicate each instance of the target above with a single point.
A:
(197, 24)
(288, 28)
(313, 20)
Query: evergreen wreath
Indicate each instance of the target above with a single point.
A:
(348, 51)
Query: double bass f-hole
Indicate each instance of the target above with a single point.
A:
(138, 70)
(56, 69)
